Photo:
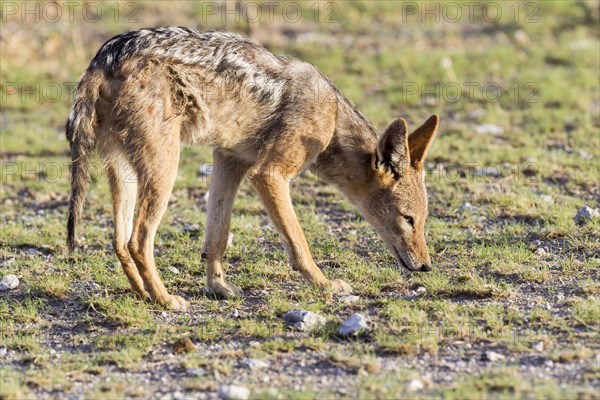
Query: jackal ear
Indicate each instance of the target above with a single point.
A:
(392, 149)
(420, 140)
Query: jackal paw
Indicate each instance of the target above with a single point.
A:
(176, 303)
(340, 288)
(223, 291)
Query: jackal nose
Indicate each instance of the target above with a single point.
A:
(426, 267)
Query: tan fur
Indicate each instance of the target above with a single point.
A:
(147, 108)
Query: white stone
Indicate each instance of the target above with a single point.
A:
(233, 392)
(446, 62)
(489, 171)
(190, 228)
(489, 129)
(349, 299)
(354, 325)
(414, 385)
(585, 214)
(539, 346)
(467, 207)
(303, 320)
(196, 372)
(205, 170)
(477, 113)
(521, 38)
(491, 356)
(254, 364)
(547, 198)
(9, 282)
(177, 395)
(173, 270)
(33, 252)
(92, 286)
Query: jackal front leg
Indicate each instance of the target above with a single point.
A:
(227, 175)
(273, 188)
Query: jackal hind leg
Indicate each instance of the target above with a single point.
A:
(156, 166)
(227, 174)
(123, 187)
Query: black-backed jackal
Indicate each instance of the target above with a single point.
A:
(147, 93)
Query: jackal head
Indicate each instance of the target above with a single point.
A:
(394, 199)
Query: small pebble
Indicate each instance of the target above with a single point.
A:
(547, 198)
(349, 299)
(586, 214)
(414, 385)
(9, 282)
(489, 129)
(354, 325)
(233, 392)
(190, 228)
(489, 171)
(177, 395)
(33, 252)
(254, 364)
(303, 320)
(92, 286)
(173, 269)
(521, 38)
(195, 372)
(491, 356)
(538, 346)
(205, 170)
(476, 114)
(467, 207)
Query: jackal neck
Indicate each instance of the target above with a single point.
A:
(347, 161)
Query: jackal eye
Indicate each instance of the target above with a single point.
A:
(409, 219)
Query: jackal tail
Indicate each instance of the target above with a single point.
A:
(80, 132)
